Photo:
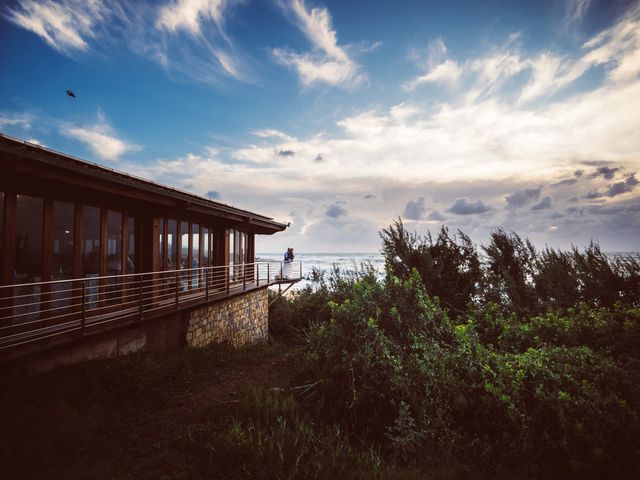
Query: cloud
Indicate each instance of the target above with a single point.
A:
(615, 189)
(329, 63)
(319, 158)
(576, 10)
(438, 69)
(336, 210)
(101, 139)
(565, 182)
(185, 37)
(522, 198)
(485, 74)
(67, 25)
(619, 188)
(616, 48)
(22, 120)
(435, 215)
(204, 21)
(286, 153)
(543, 204)
(414, 210)
(189, 14)
(463, 206)
(271, 133)
(578, 173)
(606, 172)
(369, 196)
(214, 195)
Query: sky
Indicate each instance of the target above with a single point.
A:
(341, 117)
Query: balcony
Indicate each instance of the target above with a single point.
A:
(64, 310)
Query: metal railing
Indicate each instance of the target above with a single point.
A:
(33, 312)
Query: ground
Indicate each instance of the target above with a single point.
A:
(132, 417)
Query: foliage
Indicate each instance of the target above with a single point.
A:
(449, 265)
(536, 374)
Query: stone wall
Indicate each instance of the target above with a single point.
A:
(239, 320)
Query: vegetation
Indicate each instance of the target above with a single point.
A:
(497, 361)
(509, 363)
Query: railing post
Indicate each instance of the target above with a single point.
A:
(268, 273)
(177, 290)
(300, 269)
(258, 274)
(206, 282)
(141, 298)
(83, 322)
(281, 267)
(229, 278)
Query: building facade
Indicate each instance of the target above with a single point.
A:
(80, 244)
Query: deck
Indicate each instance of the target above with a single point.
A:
(65, 310)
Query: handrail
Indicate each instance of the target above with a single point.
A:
(155, 272)
(30, 312)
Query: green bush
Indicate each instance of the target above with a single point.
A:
(539, 397)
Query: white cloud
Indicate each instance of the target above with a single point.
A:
(438, 68)
(101, 139)
(576, 10)
(185, 37)
(66, 25)
(616, 48)
(329, 63)
(189, 14)
(22, 120)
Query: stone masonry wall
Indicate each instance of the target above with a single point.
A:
(239, 320)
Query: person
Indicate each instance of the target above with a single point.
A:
(288, 255)
(286, 267)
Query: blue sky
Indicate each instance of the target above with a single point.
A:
(341, 116)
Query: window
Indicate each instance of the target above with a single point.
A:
(114, 243)
(195, 245)
(205, 247)
(172, 244)
(91, 241)
(63, 236)
(131, 245)
(28, 259)
(1, 230)
(28, 239)
(184, 245)
(160, 244)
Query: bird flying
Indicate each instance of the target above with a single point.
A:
(71, 94)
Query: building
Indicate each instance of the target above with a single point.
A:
(102, 262)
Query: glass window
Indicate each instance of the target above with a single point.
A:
(237, 248)
(195, 245)
(184, 245)
(1, 228)
(131, 245)
(114, 243)
(172, 244)
(91, 241)
(161, 244)
(232, 245)
(63, 232)
(28, 267)
(28, 259)
(205, 247)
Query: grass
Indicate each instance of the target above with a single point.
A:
(187, 413)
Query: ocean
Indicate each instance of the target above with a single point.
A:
(325, 261)
(349, 261)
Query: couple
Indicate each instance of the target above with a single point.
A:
(288, 255)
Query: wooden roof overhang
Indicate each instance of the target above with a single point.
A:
(37, 162)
